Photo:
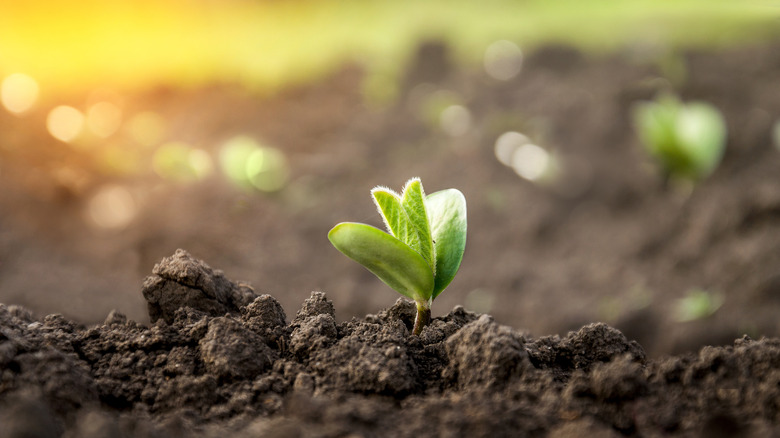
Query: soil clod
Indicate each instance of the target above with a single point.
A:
(181, 280)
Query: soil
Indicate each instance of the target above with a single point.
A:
(220, 360)
(197, 354)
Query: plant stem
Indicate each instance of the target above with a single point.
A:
(423, 317)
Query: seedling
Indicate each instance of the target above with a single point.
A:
(423, 251)
(686, 139)
(697, 304)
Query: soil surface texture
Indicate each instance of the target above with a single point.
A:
(220, 360)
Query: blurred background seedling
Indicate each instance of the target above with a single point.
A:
(687, 140)
(697, 304)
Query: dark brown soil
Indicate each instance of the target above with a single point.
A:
(222, 361)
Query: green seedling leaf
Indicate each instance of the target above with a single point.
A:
(390, 259)
(447, 216)
(413, 201)
(395, 217)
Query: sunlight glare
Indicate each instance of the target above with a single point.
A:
(18, 93)
(147, 128)
(65, 123)
(104, 118)
(113, 207)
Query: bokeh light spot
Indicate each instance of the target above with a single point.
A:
(200, 162)
(530, 161)
(178, 161)
(506, 145)
(455, 120)
(233, 157)
(430, 103)
(65, 123)
(147, 128)
(247, 163)
(267, 169)
(112, 207)
(119, 159)
(503, 60)
(18, 93)
(104, 118)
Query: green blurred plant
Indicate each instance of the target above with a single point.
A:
(687, 140)
(697, 304)
(422, 253)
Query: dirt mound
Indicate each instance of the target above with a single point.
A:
(245, 371)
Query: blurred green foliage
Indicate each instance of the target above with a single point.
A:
(697, 304)
(687, 140)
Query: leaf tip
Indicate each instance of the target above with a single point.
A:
(333, 231)
(383, 189)
(412, 180)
